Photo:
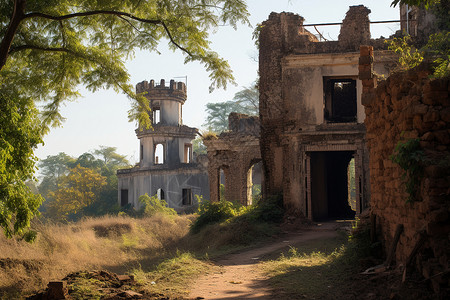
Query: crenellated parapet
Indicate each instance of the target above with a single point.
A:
(174, 91)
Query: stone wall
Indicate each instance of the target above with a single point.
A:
(406, 106)
(234, 152)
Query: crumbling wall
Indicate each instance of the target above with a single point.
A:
(234, 152)
(406, 106)
(293, 66)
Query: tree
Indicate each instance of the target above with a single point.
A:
(52, 169)
(248, 100)
(217, 119)
(110, 157)
(79, 189)
(245, 101)
(48, 48)
(19, 136)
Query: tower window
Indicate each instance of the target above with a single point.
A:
(156, 115)
(159, 154)
(187, 153)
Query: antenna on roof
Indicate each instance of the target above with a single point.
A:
(185, 79)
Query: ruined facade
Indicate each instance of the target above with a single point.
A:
(167, 167)
(406, 106)
(236, 155)
(312, 121)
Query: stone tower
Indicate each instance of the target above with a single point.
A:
(166, 165)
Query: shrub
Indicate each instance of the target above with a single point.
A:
(213, 212)
(267, 210)
(153, 205)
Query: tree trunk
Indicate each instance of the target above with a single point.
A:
(16, 17)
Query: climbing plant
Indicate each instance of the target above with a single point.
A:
(410, 157)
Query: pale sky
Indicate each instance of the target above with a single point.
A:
(101, 118)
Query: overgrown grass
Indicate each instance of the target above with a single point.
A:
(172, 276)
(159, 248)
(322, 269)
(117, 244)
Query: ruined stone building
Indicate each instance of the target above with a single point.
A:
(167, 167)
(312, 129)
(234, 159)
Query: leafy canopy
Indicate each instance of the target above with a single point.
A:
(77, 190)
(49, 48)
(19, 136)
(245, 101)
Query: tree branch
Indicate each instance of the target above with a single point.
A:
(109, 12)
(90, 13)
(16, 17)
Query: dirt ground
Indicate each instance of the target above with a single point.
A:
(239, 277)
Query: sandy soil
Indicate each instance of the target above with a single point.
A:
(239, 277)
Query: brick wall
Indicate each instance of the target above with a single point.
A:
(405, 106)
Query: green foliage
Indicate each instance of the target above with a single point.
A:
(19, 136)
(198, 147)
(53, 46)
(153, 205)
(79, 189)
(103, 161)
(409, 57)
(426, 3)
(437, 50)
(245, 101)
(410, 157)
(269, 210)
(213, 212)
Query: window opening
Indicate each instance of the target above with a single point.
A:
(159, 154)
(156, 115)
(351, 177)
(187, 197)
(222, 185)
(254, 181)
(141, 152)
(187, 153)
(160, 194)
(340, 100)
(123, 197)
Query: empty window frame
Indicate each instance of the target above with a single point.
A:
(187, 196)
(187, 153)
(339, 100)
(156, 115)
(160, 156)
(141, 152)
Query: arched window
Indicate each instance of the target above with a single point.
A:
(159, 154)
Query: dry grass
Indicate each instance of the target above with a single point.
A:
(118, 244)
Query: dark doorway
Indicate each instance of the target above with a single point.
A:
(123, 197)
(331, 178)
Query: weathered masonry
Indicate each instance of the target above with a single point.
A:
(167, 167)
(312, 122)
(234, 160)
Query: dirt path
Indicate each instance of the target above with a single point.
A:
(239, 277)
